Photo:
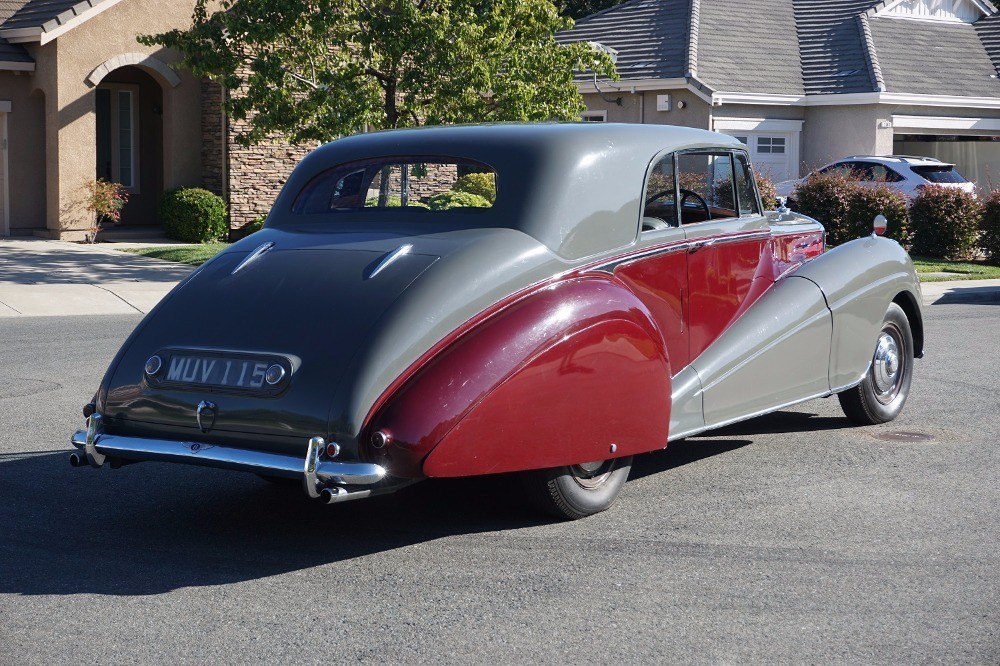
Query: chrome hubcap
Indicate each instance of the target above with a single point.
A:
(887, 365)
(592, 475)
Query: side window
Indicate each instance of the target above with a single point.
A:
(659, 205)
(706, 186)
(745, 192)
(884, 174)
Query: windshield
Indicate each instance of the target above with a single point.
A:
(943, 173)
(431, 184)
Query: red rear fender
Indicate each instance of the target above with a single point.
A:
(555, 378)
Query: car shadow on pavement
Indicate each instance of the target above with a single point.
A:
(151, 528)
(781, 422)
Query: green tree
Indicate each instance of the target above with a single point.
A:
(318, 69)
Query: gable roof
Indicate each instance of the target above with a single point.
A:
(766, 59)
(799, 49)
(13, 56)
(44, 20)
(933, 58)
(650, 36)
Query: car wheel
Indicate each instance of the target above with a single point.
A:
(577, 491)
(881, 394)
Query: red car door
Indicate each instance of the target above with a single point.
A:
(656, 270)
(729, 257)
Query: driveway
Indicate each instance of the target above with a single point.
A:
(55, 278)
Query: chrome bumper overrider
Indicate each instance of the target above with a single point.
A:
(320, 477)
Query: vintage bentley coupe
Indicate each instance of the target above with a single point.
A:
(623, 288)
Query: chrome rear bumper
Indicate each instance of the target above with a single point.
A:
(320, 476)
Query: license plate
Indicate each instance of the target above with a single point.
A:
(216, 371)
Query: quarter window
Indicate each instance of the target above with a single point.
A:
(744, 187)
(659, 201)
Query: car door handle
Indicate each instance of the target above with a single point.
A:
(697, 245)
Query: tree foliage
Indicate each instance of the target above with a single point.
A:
(318, 69)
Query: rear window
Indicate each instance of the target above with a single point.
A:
(944, 173)
(431, 184)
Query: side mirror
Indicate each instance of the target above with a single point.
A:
(880, 224)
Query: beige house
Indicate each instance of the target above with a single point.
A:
(805, 82)
(80, 99)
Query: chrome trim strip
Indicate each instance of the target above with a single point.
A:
(253, 256)
(224, 457)
(389, 259)
(610, 265)
(762, 412)
(855, 382)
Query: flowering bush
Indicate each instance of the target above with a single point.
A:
(106, 200)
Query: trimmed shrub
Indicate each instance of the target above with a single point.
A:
(847, 208)
(395, 201)
(864, 203)
(193, 215)
(254, 225)
(453, 199)
(945, 223)
(825, 196)
(989, 227)
(483, 184)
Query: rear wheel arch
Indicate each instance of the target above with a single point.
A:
(495, 378)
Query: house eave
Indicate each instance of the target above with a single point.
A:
(16, 66)
(851, 99)
(692, 85)
(21, 35)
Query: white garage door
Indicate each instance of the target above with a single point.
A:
(773, 143)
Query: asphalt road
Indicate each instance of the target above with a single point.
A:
(792, 538)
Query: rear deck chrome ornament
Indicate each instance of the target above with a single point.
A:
(252, 257)
(205, 414)
(390, 259)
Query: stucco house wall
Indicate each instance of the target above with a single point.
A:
(26, 152)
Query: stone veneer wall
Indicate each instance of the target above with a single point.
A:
(248, 178)
(213, 139)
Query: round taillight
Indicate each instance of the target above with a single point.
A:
(332, 450)
(153, 365)
(274, 374)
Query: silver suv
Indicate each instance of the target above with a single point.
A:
(904, 172)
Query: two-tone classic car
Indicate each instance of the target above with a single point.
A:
(623, 288)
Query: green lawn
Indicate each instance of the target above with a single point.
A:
(937, 270)
(184, 254)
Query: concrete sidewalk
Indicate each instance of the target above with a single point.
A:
(55, 278)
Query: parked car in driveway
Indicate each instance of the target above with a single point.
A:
(905, 173)
(624, 289)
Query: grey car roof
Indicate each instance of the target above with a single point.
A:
(574, 187)
(813, 47)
